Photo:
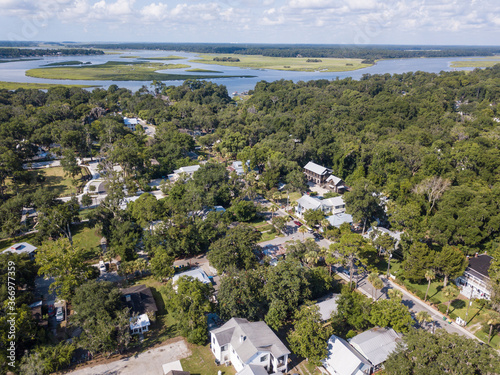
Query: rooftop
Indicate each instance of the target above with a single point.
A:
(20, 248)
(343, 359)
(334, 179)
(338, 219)
(480, 264)
(188, 169)
(376, 344)
(316, 168)
(309, 203)
(248, 338)
(139, 299)
(195, 273)
(328, 306)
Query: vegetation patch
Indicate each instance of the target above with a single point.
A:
(35, 86)
(197, 70)
(202, 361)
(473, 64)
(117, 71)
(171, 57)
(298, 64)
(64, 63)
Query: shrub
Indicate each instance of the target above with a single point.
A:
(420, 294)
(442, 308)
(350, 334)
(313, 193)
(453, 316)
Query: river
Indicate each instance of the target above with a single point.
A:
(15, 71)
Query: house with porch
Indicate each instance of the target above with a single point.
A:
(141, 303)
(249, 346)
(474, 283)
(336, 184)
(334, 205)
(316, 173)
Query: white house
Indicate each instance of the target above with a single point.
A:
(22, 248)
(139, 324)
(343, 359)
(376, 344)
(184, 171)
(475, 280)
(331, 205)
(195, 273)
(140, 301)
(248, 344)
(338, 219)
(130, 123)
(328, 306)
(316, 173)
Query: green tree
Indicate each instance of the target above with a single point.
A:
(395, 294)
(417, 259)
(145, 210)
(376, 282)
(422, 352)
(492, 320)
(56, 219)
(188, 303)
(241, 295)
(243, 211)
(391, 313)
(429, 276)
(353, 311)
(451, 263)
(423, 317)
(313, 217)
(47, 359)
(235, 249)
(86, 200)
(65, 262)
(70, 164)
(161, 265)
(309, 338)
(362, 202)
(450, 293)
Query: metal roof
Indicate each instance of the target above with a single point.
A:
(338, 219)
(196, 273)
(316, 168)
(309, 203)
(20, 248)
(343, 359)
(336, 180)
(334, 202)
(189, 169)
(328, 306)
(253, 370)
(376, 344)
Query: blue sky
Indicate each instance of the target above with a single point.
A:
(474, 22)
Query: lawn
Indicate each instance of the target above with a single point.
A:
(117, 71)
(87, 237)
(7, 242)
(55, 180)
(474, 64)
(285, 63)
(202, 362)
(36, 86)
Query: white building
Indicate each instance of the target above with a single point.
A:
(139, 324)
(196, 273)
(247, 344)
(22, 248)
(475, 280)
(334, 205)
(343, 359)
(184, 171)
(130, 123)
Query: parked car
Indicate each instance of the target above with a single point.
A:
(59, 314)
(102, 266)
(297, 223)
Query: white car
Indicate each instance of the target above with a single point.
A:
(102, 266)
(59, 314)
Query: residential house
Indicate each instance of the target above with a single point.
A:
(195, 273)
(22, 248)
(343, 359)
(331, 205)
(237, 166)
(249, 344)
(376, 344)
(316, 173)
(381, 230)
(140, 302)
(131, 123)
(184, 171)
(327, 307)
(336, 184)
(475, 280)
(338, 219)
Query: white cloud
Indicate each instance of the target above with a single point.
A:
(311, 4)
(154, 12)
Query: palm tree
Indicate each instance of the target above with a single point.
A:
(450, 293)
(492, 319)
(325, 224)
(372, 278)
(303, 230)
(423, 317)
(276, 196)
(273, 209)
(378, 284)
(429, 275)
(395, 294)
(312, 257)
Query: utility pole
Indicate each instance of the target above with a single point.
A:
(468, 305)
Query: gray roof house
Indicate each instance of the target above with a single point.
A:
(306, 202)
(316, 173)
(343, 359)
(22, 248)
(188, 171)
(336, 184)
(243, 343)
(376, 344)
(475, 281)
(363, 354)
(338, 219)
(328, 306)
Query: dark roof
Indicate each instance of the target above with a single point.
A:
(177, 372)
(141, 299)
(481, 264)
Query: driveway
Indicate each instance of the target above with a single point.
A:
(149, 362)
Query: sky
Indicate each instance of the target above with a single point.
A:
(427, 22)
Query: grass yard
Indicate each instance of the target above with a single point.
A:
(87, 237)
(305, 368)
(202, 362)
(117, 71)
(474, 64)
(36, 86)
(7, 242)
(285, 63)
(55, 180)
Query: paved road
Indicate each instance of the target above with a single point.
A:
(414, 304)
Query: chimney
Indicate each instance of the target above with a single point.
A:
(242, 338)
(128, 298)
(476, 255)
